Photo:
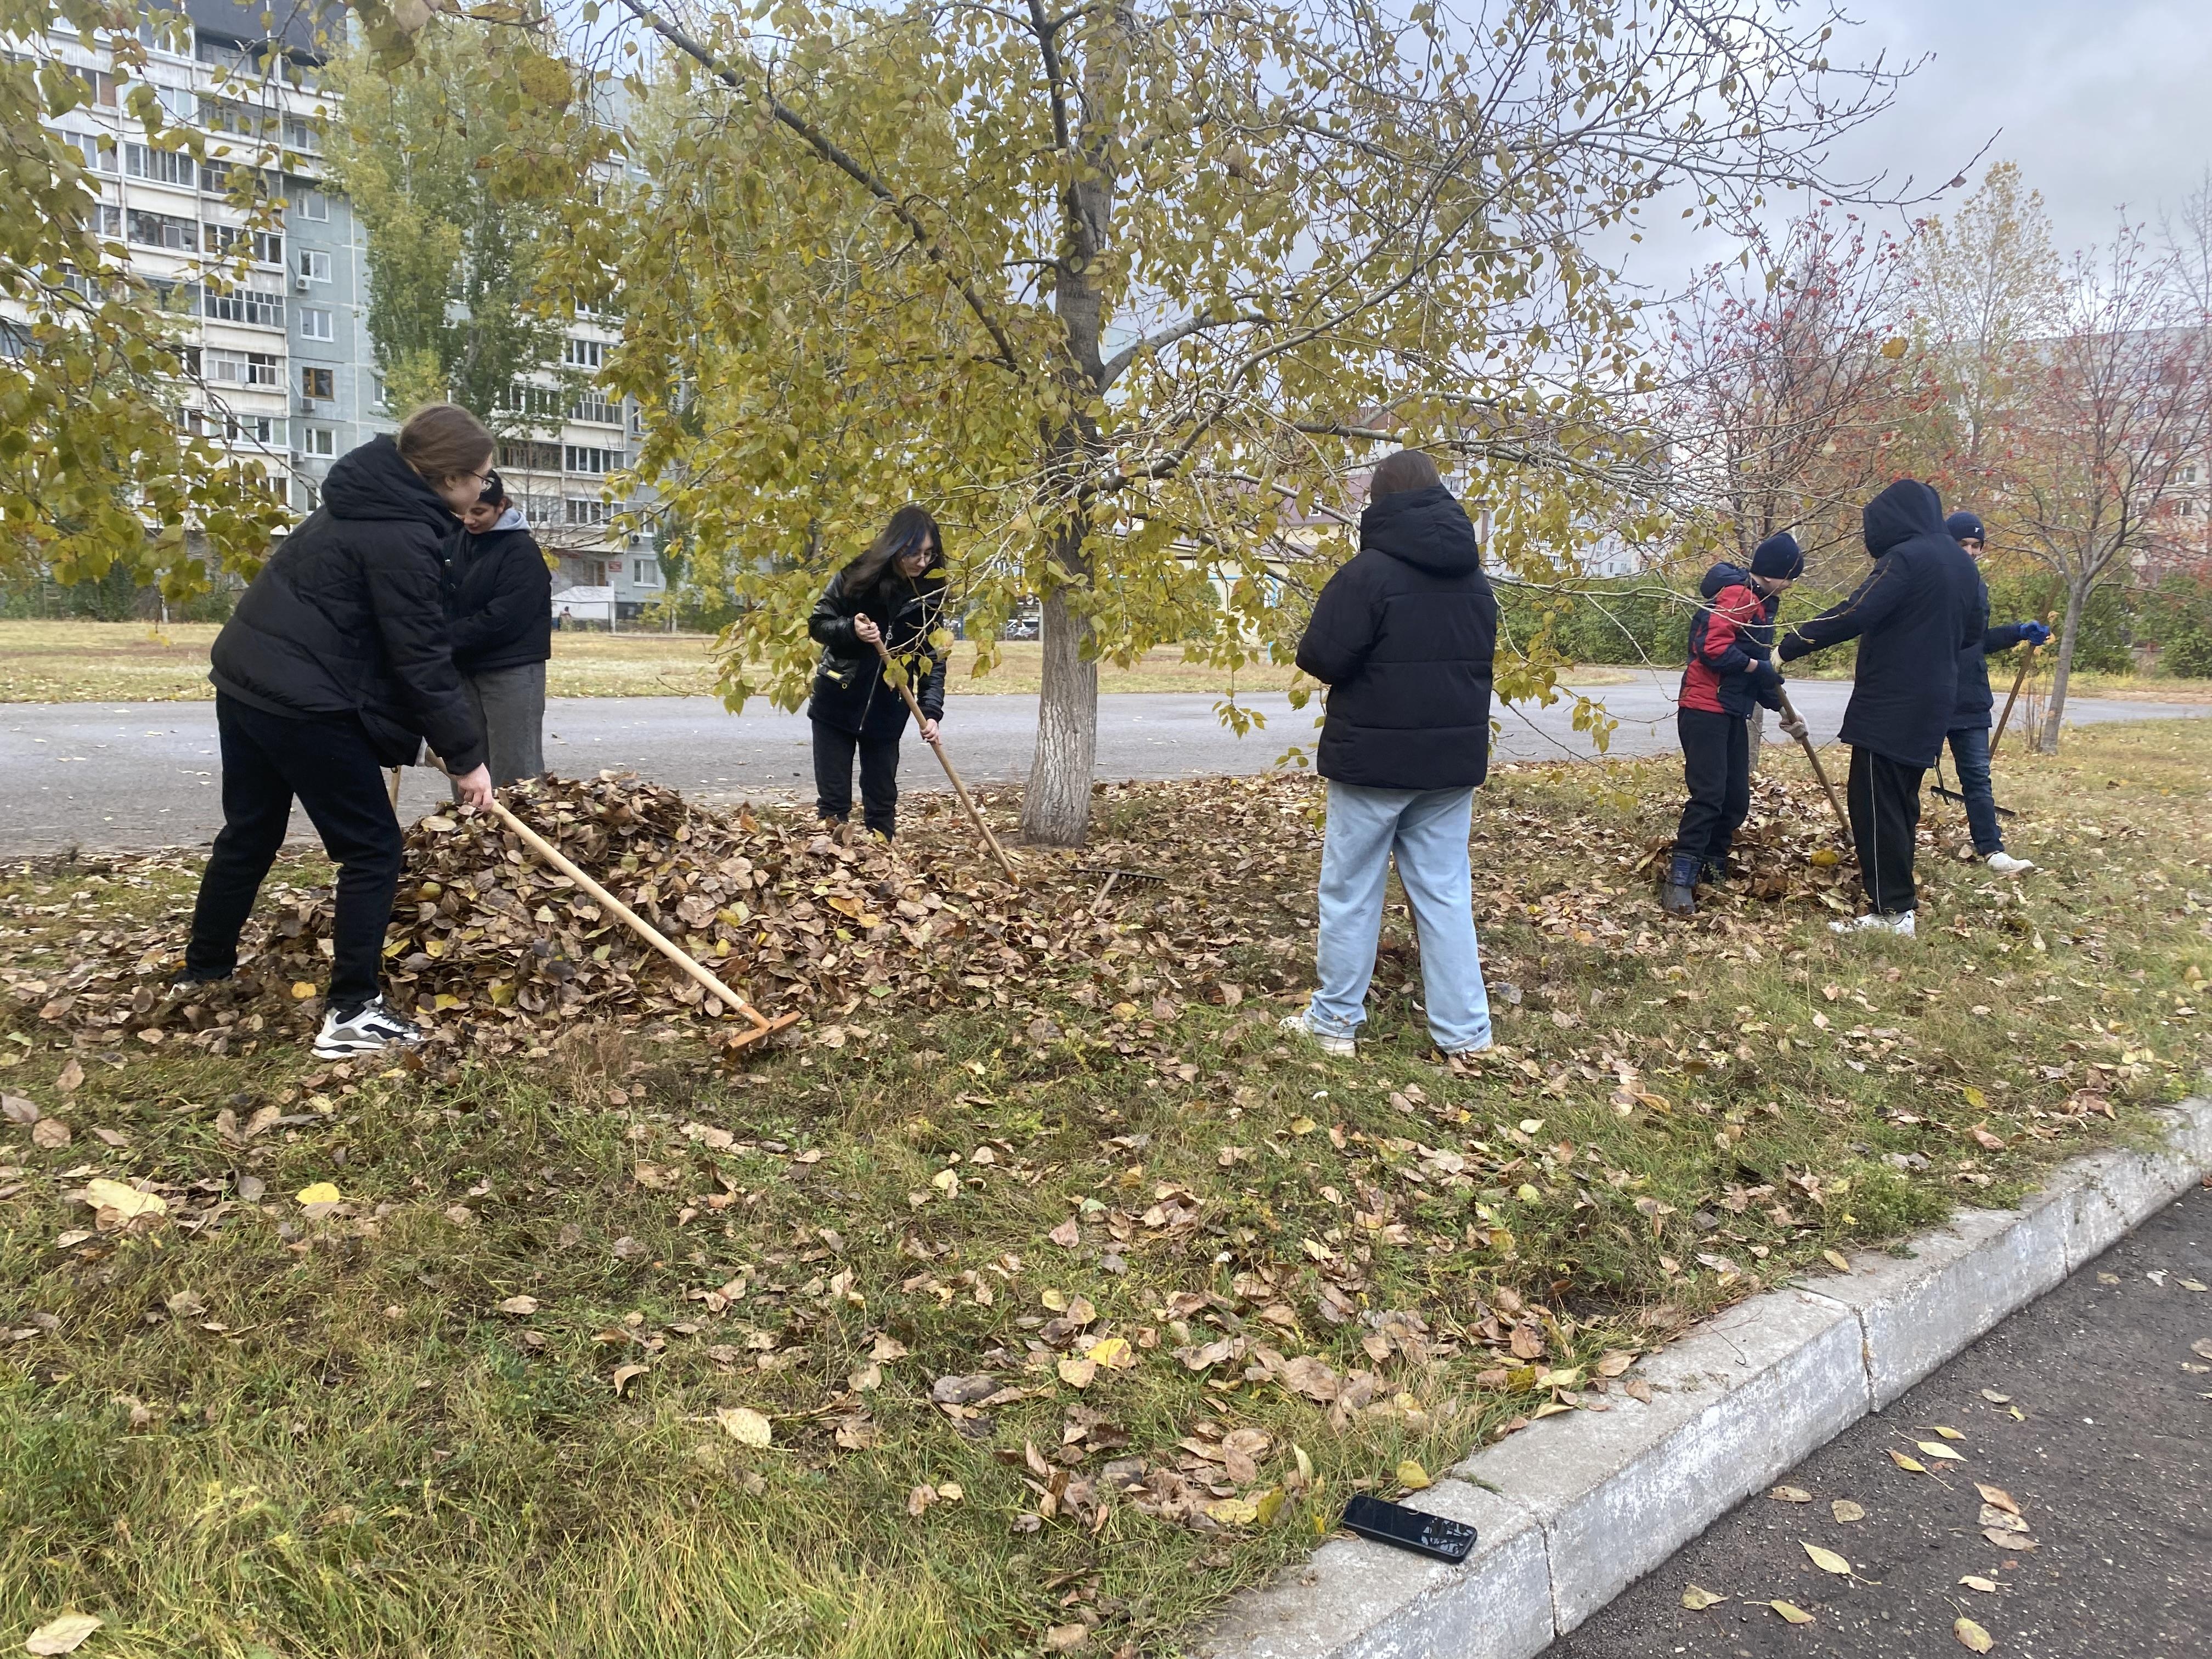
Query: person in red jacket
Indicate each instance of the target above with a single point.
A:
(1731, 637)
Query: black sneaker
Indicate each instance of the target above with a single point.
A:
(369, 1029)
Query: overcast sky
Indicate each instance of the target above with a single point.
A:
(2102, 102)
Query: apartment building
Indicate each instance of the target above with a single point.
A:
(286, 372)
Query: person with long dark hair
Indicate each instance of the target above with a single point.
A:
(337, 664)
(892, 595)
(501, 603)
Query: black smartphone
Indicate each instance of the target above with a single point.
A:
(1409, 1529)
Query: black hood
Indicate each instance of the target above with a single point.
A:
(1426, 528)
(373, 482)
(1724, 574)
(1907, 508)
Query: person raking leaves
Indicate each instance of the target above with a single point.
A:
(1970, 720)
(1731, 639)
(892, 595)
(1912, 616)
(336, 663)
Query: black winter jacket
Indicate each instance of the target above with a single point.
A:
(849, 692)
(500, 598)
(1975, 702)
(1403, 636)
(1912, 617)
(349, 617)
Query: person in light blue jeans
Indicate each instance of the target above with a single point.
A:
(1427, 830)
(1402, 637)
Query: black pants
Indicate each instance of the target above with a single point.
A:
(1717, 768)
(832, 776)
(267, 760)
(1884, 797)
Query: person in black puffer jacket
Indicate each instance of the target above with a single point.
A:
(1970, 720)
(1912, 616)
(501, 599)
(1403, 636)
(893, 594)
(336, 663)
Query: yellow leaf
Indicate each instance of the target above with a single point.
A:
(62, 1634)
(1971, 1637)
(951, 1491)
(321, 1192)
(1790, 1495)
(1910, 1465)
(1233, 1511)
(1844, 1509)
(302, 990)
(1303, 1126)
(1077, 1373)
(1947, 1433)
(1698, 1598)
(443, 1000)
(1975, 1098)
(1826, 1560)
(127, 1201)
(1528, 1195)
(1837, 1260)
(1269, 1503)
(1938, 1450)
(947, 1181)
(1413, 1476)
(1792, 1612)
(1113, 1353)
(1055, 1300)
(1826, 858)
(745, 1425)
(1894, 347)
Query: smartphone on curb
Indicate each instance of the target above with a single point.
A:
(1431, 1535)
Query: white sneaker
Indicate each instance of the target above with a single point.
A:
(1901, 924)
(2006, 865)
(371, 1029)
(1296, 1025)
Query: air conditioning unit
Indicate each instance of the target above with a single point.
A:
(304, 404)
(301, 284)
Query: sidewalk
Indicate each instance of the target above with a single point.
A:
(2109, 1462)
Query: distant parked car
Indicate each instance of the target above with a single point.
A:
(1026, 623)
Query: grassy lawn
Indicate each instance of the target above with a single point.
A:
(1035, 1307)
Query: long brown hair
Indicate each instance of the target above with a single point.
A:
(444, 441)
(905, 531)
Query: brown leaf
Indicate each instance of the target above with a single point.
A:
(1067, 1234)
(50, 1133)
(625, 1375)
(71, 1077)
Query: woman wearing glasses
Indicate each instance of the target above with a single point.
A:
(336, 663)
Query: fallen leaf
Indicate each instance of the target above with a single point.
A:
(49, 1133)
(1937, 1450)
(741, 1423)
(321, 1192)
(625, 1375)
(1066, 1638)
(1077, 1371)
(920, 1499)
(1971, 1637)
(1233, 1511)
(1844, 1511)
(1911, 1465)
(1303, 1126)
(1996, 1520)
(1614, 1364)
(1826, 1560)
(1792, 1612)
(302, 990)
(1948, 1434)
(17, 1109)
(1413, 1476)
(1790, 1495)
(1067, 1234)
(1994, 1398)
(887, 1348)
(1997, 1497)
(127, 1201)
(519, 1305)
(1975, 1581)
(1113, 1353)
(71, 1077)
(63, 1635)
(185, 1304)
(1837, 1260)
(1698, 1598)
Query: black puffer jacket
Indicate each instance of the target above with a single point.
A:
(1913, 616)
(501, 598)
(849, 692)
(1403, 636)
(1975, 702)
(349, 616)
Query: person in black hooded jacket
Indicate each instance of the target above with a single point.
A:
(892, 595)
(336, 663)
(501, 600)
(1403, 635)
(1970, 720)
(1912, 616)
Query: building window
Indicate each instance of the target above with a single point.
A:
(589, 460)
(314, 323)
(162, 167)
(318, 441)
(527, 455)
(585, 354)
(99, 155)
(107, 221)
(376, 398)
(315, 264)
(302, 135)
(247, 305)
(594, 408)
(162, 230)
(583, 512)
(311, 204)
(645, 572)
(239, 367)
(179, 104)
(267, 246)
(98, 86)
(321, 383)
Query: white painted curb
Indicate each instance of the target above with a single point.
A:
(1574, 1509)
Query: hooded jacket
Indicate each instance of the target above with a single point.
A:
(1913, 616)
(1403, 636)
(1729, 637)
(1974, 699)
(348, 618)
(849, 693)
(500, 598)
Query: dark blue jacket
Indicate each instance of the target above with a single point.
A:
(1729, 637)
(1974, 700)
(1913, 616)
(1403, 635)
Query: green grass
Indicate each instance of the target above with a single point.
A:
(340, 1444)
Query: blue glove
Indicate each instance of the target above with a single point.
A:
(1764, 677)
(2034, 633)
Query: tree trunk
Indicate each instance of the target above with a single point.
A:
(2070, 634)
(1056, 800)
(1757, 732)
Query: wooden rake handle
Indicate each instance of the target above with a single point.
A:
(990, 840)
(2018, 680)
(1805, 742)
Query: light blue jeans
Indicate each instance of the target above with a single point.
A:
(1427, 828)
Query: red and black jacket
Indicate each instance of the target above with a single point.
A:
(1730, 636)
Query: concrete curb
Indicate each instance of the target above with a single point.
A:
(1574, 1509)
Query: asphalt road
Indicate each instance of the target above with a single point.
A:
(2110, 1464)
(105, 776)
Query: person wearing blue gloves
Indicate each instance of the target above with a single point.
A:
(1970, 720)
